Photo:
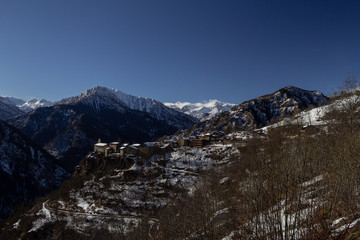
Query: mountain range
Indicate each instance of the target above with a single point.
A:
(70, 127)
(11, 107)
(120, 100)
(261, 111)
(202, 111)
(105, 193)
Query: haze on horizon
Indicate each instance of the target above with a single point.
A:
(176, 51)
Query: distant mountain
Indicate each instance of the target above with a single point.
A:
(202, 111)
(155, 108)
(11, 107)
(69, 129)
(34, 103)
(8, 109)
(26, 170)
(261, 111)
(13, 101)
(27, 106)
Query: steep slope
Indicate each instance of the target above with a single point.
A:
(69, 131)
(155, 108)
(26, 170)
(261, 111)
(115, 194)
(8, 110)
(202, 111)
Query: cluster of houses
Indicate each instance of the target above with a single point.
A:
(118, 150)
(113, 148)
(201, 140)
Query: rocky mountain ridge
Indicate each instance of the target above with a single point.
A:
(34, 103)
(198, 186)
(260, 112)
(70, 127)
(119, 100)
(25, 106)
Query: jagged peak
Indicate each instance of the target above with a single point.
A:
(202, 110)
(291, 87)
(290, 92)
(288, 89)
(104, 91)
(296, 89)
(99, 90)
(98, 96)
(208, 104)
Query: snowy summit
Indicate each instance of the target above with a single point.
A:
(114, 98)
(202, 111)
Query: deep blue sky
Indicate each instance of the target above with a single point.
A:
(177, 50)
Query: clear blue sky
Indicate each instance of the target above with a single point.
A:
(176, 50)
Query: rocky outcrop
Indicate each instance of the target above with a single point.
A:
(262, 111)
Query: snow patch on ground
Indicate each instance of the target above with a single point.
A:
(313, 181)
(16, 225)
(42, 221)
(83, 204)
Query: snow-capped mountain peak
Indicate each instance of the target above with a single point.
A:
(24, 106)
(98, 90)
(203, 110)
(34, 103)
(114, 98)
(127, 99)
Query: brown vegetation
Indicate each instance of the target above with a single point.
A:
(267, 192)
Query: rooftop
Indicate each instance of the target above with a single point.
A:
(101, 144)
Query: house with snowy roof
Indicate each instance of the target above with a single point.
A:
(100, 147)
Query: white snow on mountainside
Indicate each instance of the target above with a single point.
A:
(315, 116)
(202, 111)
(155, 108)
(27, 106)
(34, 103)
